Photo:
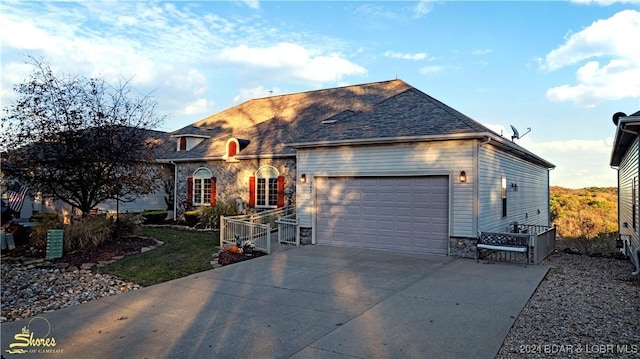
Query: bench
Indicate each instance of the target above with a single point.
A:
(489, 242)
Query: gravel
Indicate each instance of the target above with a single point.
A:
(585, 307)
(30, 289)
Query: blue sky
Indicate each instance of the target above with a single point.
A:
(560, 68)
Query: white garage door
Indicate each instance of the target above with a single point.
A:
(396, 213)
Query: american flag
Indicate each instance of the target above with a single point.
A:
(17, 193)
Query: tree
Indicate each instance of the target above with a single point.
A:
(80, 140)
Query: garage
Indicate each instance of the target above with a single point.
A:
(396, 213)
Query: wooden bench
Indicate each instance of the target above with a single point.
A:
(489, 242)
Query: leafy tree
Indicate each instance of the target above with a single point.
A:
(80, 140)
(584, 213)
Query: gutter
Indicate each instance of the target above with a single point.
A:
(175, 190)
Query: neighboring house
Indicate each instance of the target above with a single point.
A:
(378, 165)
(35, 203)
(624, 158)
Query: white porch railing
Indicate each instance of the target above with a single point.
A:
(254, 227)
(288, 230)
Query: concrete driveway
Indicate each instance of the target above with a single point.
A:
(306, 302)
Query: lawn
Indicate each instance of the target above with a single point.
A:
(183, 253)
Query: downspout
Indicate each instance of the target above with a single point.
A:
(636, 262)
(175, 190)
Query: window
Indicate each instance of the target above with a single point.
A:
(504, 197)
(202, 190)
(182, 144)
(266, 188)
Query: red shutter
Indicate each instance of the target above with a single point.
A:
(252, 191)
(183, 144)
(213, 191)
(190, 190)
(280, 191)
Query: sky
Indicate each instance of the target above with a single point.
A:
(558, 68)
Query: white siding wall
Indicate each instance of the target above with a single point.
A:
(432, 158)
(627, 171)
(529, 204)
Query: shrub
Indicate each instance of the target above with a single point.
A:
(156, 216)
(210, 216)
(127, 225)
(46, 222)
(192, 217)
(43, 217)
(87, 232)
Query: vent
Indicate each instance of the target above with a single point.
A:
(326, 122)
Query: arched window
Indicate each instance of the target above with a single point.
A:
(266, 188)
(202, 188)
(182, 144)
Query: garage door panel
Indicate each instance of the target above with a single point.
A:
(406, 213)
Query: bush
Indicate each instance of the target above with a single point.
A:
(127, 225)
(43, 217)
(156, 216)
(192, 217)
(46, 222)
(87, 232)
(210, 216)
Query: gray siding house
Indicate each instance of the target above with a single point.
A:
(378, 165)
(624, 158)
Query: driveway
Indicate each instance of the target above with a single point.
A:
(306, 302)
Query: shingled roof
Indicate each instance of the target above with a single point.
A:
(380, 111)
(273, 121)
(408, 114)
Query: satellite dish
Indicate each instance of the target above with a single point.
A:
(516, 134)
(616, 117)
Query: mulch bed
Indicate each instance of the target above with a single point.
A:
(226, 257)
(105, 252)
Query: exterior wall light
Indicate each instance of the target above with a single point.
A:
(303, 178)
(463, 177)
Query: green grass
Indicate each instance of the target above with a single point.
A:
(183, 253)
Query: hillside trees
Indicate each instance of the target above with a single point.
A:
(584, 213)
(80, 140)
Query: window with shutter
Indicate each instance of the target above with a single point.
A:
(266, 188)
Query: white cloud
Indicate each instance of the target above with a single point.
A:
(428, 70)
(604, 2)
(481, 52)
(613, 68)
(579, 163)
(405, 56)
(423, 7)
(254, 4)
(198, 107)
(255, 92)
(293, 61)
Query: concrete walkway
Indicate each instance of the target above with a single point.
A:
(306, 302)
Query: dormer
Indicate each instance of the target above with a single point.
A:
(233, 147)
(186, 142)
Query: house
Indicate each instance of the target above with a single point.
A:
(624, 157)
(35, 203)
(378, 165)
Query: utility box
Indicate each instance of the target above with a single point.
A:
(54, 243)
